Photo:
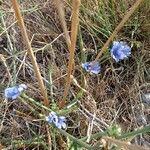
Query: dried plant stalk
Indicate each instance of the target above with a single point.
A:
(118, 28)
(74, 27)
(60, 8)
(2, 58)
(30, 51)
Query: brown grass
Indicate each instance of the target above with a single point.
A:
(114, 96)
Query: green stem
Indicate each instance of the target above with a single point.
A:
(95, 136)
(35, 102)
(134, 133)
(79, 142)
(60, 112)
(81, 45)
(19, 143)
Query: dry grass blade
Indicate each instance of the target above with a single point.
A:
(122, 144)
(2, 58)
(30, 51)
(49, 137)
(118, 28)
(74, 27)
(60, 8)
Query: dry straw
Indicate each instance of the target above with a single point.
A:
(74, 28)
(30, 51)
(60, 8)
(118, 28)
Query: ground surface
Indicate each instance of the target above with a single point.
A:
(113, 97)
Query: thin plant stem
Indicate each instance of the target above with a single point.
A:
(2, 58)
(36, 103)
(134, 133)
(122, 144)
(95, 136)
(49, 138)
(60, 8)
(74, 28)
(12, 51)
(78, 141)
(123, 136)
(118, 28)
(59, 112)
(30, 51)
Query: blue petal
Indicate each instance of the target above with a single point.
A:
(58, 121)
(22, 87)
(63, 125)
(120, 50)
(13, 92)
(52, 118)
(61, 122)
(58, 125)
(92, 67)
(62, 118)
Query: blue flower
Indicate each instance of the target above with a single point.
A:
(120, 50)
(61, 122)
(52, 118)
(58, 121)
(15, 91)
(92, 67)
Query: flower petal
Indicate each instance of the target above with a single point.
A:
(91, 67)
(15, 91)
(58, 121)
(120, 51)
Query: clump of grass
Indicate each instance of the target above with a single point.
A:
(118, 28)
(106, 99)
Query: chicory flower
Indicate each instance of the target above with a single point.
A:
(52, 118)
(58, 121)
(120, 51)
(61, 122)
(92, 67)
(13, 92)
